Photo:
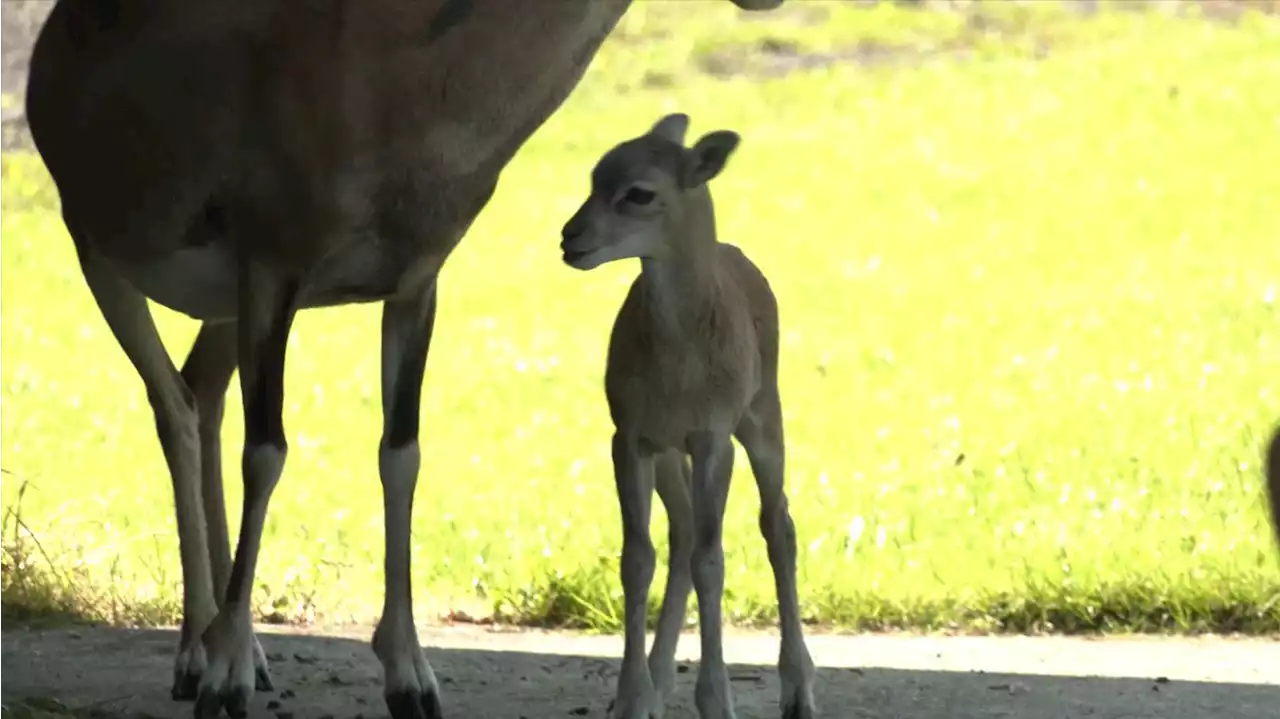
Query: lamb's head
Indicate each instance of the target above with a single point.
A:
(641, 191)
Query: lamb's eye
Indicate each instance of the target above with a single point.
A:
(639, 196)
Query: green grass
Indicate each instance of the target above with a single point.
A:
(1031, 346)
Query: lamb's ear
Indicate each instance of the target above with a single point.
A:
(707, 158)
(672, 127)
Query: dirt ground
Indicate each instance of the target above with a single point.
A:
(112, 673)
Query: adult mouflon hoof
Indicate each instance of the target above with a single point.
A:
(233, 698)
(192, 661)
(632, 710)
(261, 670)
(188, 666)
(232, 674)
(798, 710)
(410, 686)
(412, 704)
(797, 696)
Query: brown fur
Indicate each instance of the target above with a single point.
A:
(693, 361)
(696, 339)
(241, 160)
(664, 382)
(322, 121)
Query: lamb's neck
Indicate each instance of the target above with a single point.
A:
(682, 285)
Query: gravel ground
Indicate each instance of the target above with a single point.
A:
(110, 673)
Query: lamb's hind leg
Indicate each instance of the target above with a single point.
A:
(127, 315)
(672, 479)
(761, 435)
(207, 371)
(409, 684)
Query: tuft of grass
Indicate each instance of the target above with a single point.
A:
(40, 588)
(29, 577)
(1029, 345)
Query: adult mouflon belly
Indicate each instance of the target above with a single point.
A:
(200, 281)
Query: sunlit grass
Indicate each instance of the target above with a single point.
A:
(1031, 346)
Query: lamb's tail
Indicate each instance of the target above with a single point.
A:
(1273, 481)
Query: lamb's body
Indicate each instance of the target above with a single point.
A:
(664, 385)
(693, 362)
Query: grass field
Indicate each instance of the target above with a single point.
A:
(1027, 265)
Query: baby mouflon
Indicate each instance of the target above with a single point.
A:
(692, 363)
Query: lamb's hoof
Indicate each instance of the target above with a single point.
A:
(413, 704)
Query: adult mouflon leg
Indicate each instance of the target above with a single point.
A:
(267, 305)
(409, 684)
(129, 318)
(712, 454)
(207, 371)
(633, 474)
(761, 435)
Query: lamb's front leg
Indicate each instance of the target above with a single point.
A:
(633, 473)
(671, 479)
(712, 468)
(409, 684)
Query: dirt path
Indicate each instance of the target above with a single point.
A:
(537, 675)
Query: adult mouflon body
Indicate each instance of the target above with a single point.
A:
(242, 160)
(692, 363)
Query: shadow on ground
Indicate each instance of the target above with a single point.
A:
(115, 673)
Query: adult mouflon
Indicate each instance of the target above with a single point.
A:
(241, 161)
